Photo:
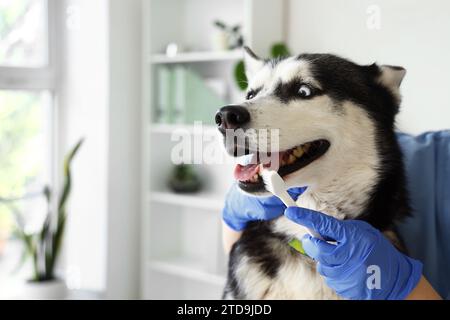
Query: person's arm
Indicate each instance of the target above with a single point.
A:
(229, 237)
(423, 291)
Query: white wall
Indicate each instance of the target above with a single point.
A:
(100, 100)
(83, 105)
(125, 63)
(413, 33)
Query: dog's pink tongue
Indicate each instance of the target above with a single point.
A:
(244, 173)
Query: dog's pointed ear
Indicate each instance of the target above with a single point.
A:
(392, 76)
(252, 63)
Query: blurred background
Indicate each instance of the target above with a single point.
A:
(96, 95)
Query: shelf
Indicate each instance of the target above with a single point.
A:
(187, 268)
(170, 128)
(196, 57)
(169, 268)
(198, 200)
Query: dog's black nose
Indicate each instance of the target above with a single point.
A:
(232, 117)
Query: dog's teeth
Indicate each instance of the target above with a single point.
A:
(261, 168)
(298, 152)
(306, 147)
(292, 159)
(246, 160)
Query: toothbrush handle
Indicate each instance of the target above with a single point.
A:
(315, 234)
(289, 202)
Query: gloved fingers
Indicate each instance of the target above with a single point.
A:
(325, 225)
(271, 201)
(268, 208)
(239, 206)
(336, 271)
(296, 192)
(240, 201)
(326, 271)
(345, 289)
(318, 249)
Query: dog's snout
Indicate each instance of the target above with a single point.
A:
(232, 117)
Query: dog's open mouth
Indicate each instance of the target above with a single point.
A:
(289, 161)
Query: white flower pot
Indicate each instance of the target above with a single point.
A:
(220, 41)
(45, 290)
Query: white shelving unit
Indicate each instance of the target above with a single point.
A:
(197, 57)
(182, 256)
(200, 200)
(190, 269)
(159, 128)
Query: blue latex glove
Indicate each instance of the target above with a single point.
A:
(240, 208)
(363, 264)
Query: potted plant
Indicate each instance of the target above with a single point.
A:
(184, 179)
(227, 37)
(44, 246)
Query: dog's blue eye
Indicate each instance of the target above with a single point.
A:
(304, 91)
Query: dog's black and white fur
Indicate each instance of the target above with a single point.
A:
(360, 176)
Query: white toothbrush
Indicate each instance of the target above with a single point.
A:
(275, 184)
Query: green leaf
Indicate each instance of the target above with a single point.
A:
(57, 241)
(239, 75)
(220, 24)
(279, 50)
(67, 175)
(62, 216)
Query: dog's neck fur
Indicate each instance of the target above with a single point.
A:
(360, 191)
(345, 197)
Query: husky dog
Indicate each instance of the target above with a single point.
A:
(336, 136)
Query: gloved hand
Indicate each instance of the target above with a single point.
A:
(363, 264)
(241, 208)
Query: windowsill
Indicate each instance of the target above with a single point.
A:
(12, 281)
(85, 295)
(9, 261)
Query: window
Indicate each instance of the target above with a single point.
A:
(23, 33)
(27, 93)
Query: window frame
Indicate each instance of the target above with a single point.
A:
(43, 79)
(36, 78)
